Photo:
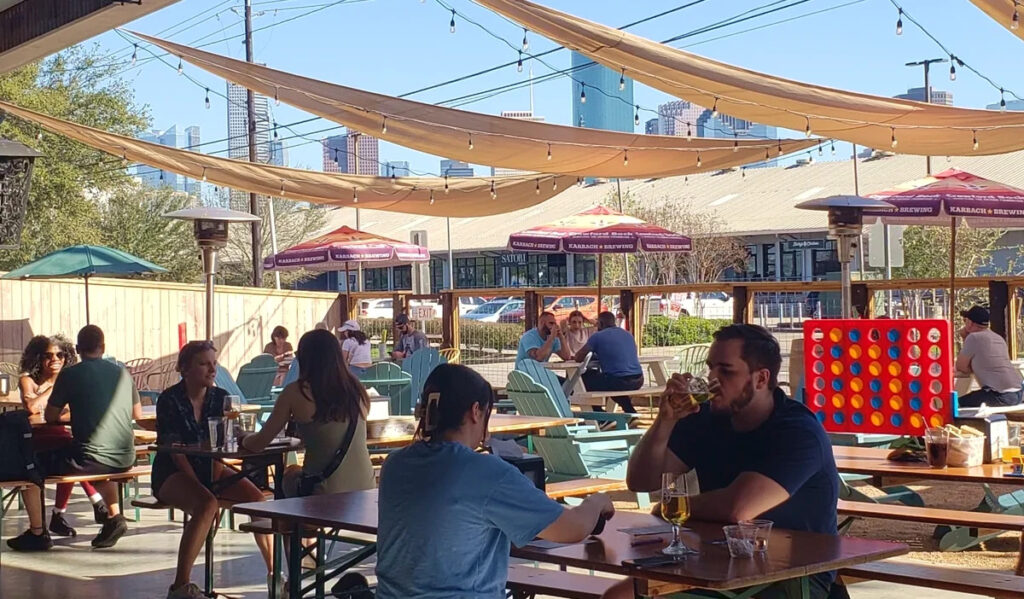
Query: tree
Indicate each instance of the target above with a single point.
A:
(132, 221)
(80, 85)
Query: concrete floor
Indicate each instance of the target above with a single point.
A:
(141, 566)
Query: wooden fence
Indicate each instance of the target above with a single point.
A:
(144, 319)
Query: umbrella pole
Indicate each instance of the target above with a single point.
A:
(87, 321)
(600, 279)
(952, 275)
(348, 293)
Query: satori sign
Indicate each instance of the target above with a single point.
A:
(805, 244)
(518, 259)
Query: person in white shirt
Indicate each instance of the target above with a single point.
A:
(985, 355)
(355, 347)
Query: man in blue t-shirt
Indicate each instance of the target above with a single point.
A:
(757, 453)
(545, 339)
(615, 350)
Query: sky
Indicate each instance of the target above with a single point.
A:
(400, 46)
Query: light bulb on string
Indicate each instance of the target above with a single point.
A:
(384, 126)
(494, 192)
(975, 131)
(893, 143)
(832, 147)
(689, 132)
(810, 158)
(625, 158)
(622, 79)
(181, 66)
(1015, 19)
(819, 149)
(743, 172)
(549, 151)
(336, 156)
(526, 42)
(952, 67)
(204, 174)
(714, 109)
(698, 160)
(470, 141)
(39, 136)
(583, 93)
(451, 24)
(735, 142)
(636, 116)
(282, 188)
(124, 159)
(780, 147)
(277, 99)
(554, 184)
(807, 129)
(275, 129)
(207, 98)
(135, 55)
(537, 190)
(899, 23)
(431, 197)
(1002, 99)
(519, 64)
(355, 196)
(767, 154)
(446, 185)
(161, 175)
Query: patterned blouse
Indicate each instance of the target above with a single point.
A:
(176, 423)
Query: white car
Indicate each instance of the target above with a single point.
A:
(492, 311)
(468, 303)
(378, 308)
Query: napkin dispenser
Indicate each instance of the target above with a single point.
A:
(532, 466)
(995, 428)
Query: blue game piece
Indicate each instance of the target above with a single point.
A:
(876, 385)
(915, 403)
(915, 387)
(821, 417)
(893, 335)
(854, 335)
(894, 352)
(896, 420)
(837, 385)
(836, 352)
(856, 368)
(837, 417)
(858, 418)
(876, 402)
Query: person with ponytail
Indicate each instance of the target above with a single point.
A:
(448, 514)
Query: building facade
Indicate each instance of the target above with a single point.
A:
(394, 168)
(522, 115)
(188, 139)
(456, 168)
(679, 118)
(939, 96)
(238, 134)
(352, 152)
(609, 97)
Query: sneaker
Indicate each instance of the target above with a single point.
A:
(27, 541)
(60, 527)
(282, 587)
(113, 529)
(188, 590)
(100, 513)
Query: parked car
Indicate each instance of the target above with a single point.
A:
(564, 305)
(469, 303)
(513, 312)
(378, 308)
(493, 310)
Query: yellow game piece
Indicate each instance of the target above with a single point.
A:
(837, 368)
(896, 403)
(874, 352)
(856, 385)
(837, 400)
(855, 352)
(877, 419)
(857, 402)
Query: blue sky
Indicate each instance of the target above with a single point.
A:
(397, 46)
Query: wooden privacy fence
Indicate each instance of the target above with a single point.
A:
(145, 319)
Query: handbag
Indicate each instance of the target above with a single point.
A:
(17, 460)
(308, 482)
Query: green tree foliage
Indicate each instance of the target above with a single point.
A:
(80, 85)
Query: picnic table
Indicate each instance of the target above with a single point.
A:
(791, 554)
(656, 365)
(498, 423)
(147, 422)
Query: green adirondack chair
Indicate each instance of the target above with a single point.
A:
(256, 379)
(958, 538)
(389, 380)
(548, 380)
(419, 366)
(693, 359)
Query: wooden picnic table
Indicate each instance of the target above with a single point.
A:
(872, 462)
(147, 422)
(656, 364)
(791, 554)
(499, 423)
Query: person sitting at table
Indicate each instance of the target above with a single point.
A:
(279, 346)
(543, 340)
(355, 347)
(575, 333)
(323, 403)
(103, 402)
(758, 453)
(188, 483)
(409, 339)
(448, 514)
(615, 350)
(985, 355)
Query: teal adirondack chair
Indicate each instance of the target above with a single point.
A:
(548, 380)
(256, 378)
(693, 359)
(389, 380)
(225, 382)
(572, 452)
(419, 366)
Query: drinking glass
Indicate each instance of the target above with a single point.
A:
(740, 540)
(248, 422)
(936, 441)
(232, 406)
(675, 508)
(216, 429)
(762, 530)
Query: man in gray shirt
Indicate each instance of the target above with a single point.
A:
(409, 340)
(985, 355)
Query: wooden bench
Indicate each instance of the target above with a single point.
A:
(974, 582)
(121, 478)
(596, 398)
(527, 581)
(581, 487)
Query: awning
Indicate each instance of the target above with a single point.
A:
(1002, 12)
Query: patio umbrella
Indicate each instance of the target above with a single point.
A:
(948, 198)
(339, 248)
(599, 231)
(85, 261)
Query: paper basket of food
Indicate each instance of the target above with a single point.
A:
(966, 446)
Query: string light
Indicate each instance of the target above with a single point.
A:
(124, 159)
(336, 156)
(39, 136)
(451, 24)
(537, 190)
(767, 154)
(819, 148)
(894, 143)
(282, 188)
(899, 23)
(622, 79)
(181, 66)
(204, 174)
(1002, 99)
(519, 65)
(698, 160)
(583, 93)
(1015, 19)
(470, 141)
(446, 184)
(780, 147)
(355, 196)
(554, 184)
(743, 172)
(549, 151)
(689, 132)
(975, 131)
(135, 55)
(275, 129)
(431, 197)
(714, 109)
(625, 158)
(277, 99)
(161, 175)
(384, 126)
(526, 42)
(494, 192)
(952, 67)
(735, 142)
(807, 129)
(832, 148)
(207, 98)
(636, 116)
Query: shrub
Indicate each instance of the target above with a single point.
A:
(661, 331)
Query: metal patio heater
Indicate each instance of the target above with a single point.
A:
(211, 232)
(845, 225)
(15, 179)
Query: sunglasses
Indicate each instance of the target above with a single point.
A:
(54, 356)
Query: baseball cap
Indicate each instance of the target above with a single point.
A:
(977, 315)
(350, 325)
(401, 319)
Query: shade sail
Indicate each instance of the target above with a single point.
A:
(496, 141)
(599, 231)
(333, 250)
(413, 195)
(1002, 12)
(872, 121)
(937, 199)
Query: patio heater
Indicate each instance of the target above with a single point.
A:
(15, 179)
(211, 232)
(845, 225)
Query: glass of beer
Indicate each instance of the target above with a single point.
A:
(936, 441)
(232, 406)
(675, 508)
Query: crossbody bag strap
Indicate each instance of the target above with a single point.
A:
(339, 455)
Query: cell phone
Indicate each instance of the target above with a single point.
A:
(650, 562)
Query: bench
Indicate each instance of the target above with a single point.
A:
(527, 581)
(121, 478)
(974, 582)
(595, 398)
(581, 487)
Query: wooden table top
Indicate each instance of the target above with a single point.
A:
(871, 461)
(790, 554)
(201, 451)
(571, 364)
(499, 423)
(148, 420)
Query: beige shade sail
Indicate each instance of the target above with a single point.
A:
(1002, 12)
(491, 140)
(469, 196)
(873, 121)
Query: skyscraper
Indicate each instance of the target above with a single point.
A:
(608, 93)
(344, 153)
(160, 178)
(278, 153)
(193, 186)
(394, 168)
(651, 127)
(522, 115)
(678, 117)
(238, 134)
(456, 168)
(938, 96)
(1010, 105)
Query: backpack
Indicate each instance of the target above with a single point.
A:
(17, 460)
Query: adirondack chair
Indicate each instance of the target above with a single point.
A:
(389, 380)
(958, 538)
(256, 378)
(419, 366)
(693, 358)
(572, 452)
(894, 494)
(452, 355)
(547, 379)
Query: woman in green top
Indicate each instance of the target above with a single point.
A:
(322, 403)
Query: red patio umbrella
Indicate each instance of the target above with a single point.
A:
(948, 197)
(599, 231)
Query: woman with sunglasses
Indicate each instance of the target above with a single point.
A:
(449, 514)
(42, 361)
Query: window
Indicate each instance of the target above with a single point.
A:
(826, 261)
(478, 272)
(375, 279)
(585, 268)
(438, 268)
(402, 277)
(540, 270)
(768, 251)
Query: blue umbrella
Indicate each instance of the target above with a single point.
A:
(85, 261)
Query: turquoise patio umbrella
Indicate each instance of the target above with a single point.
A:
(85, 261)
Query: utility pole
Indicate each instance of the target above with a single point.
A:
(250, 105)
(927, 95)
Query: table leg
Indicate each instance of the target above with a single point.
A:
(1019, 568)
(275, 574)
(295, 562)
(279, 476)
(659, 374)
(321, 551)
(208, 566)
